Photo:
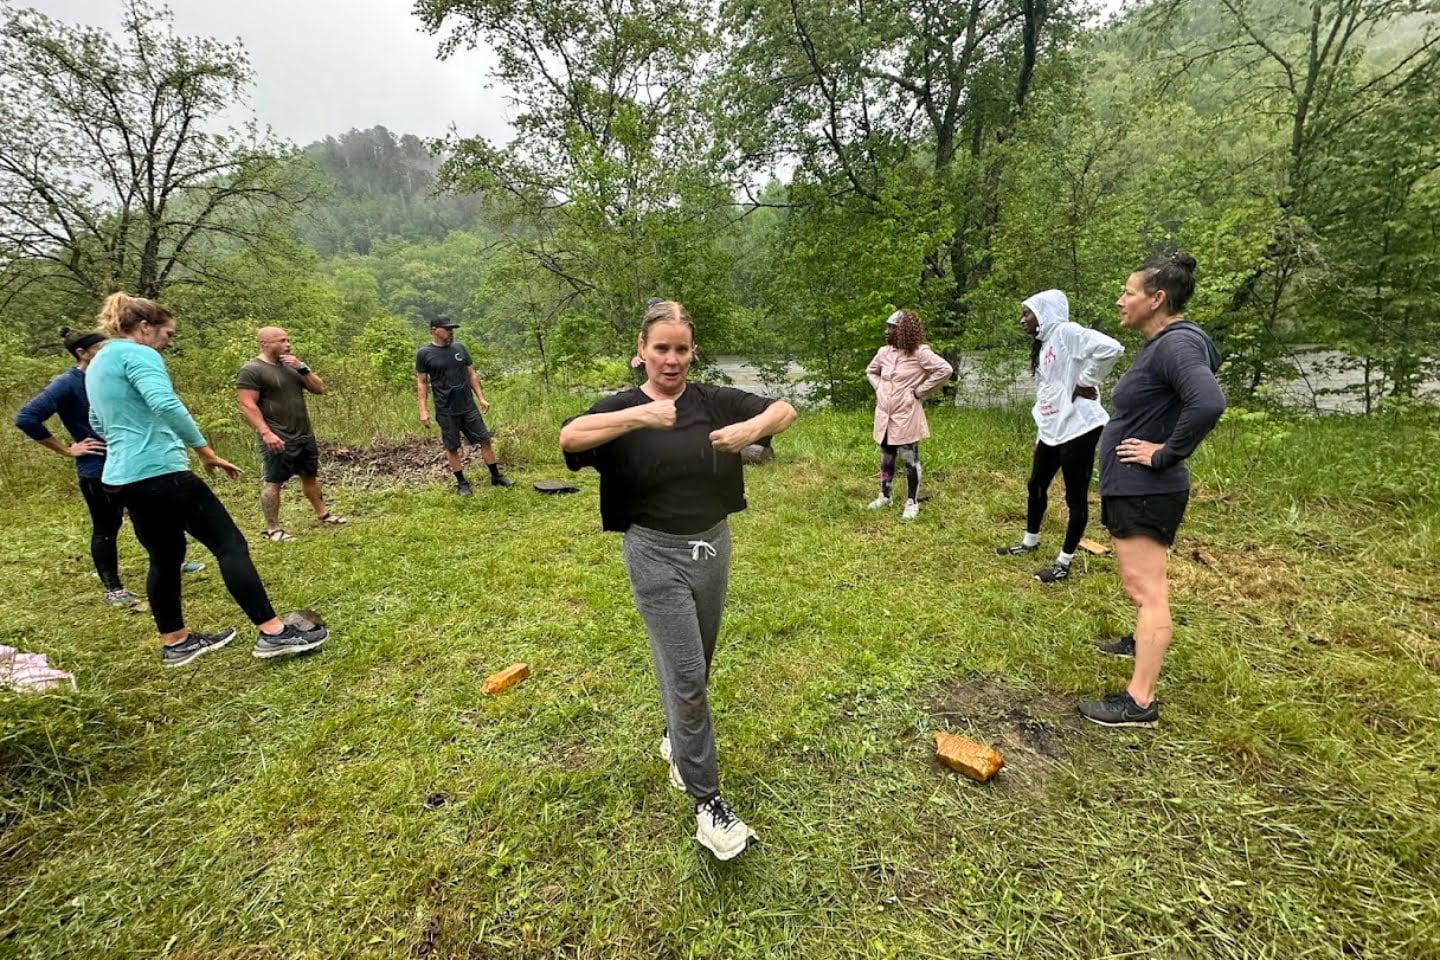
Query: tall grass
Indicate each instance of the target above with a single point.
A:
(368, 801)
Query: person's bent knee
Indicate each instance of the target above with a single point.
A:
(688, 684)
(1147, 591)
(233, 547)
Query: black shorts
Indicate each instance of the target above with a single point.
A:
(468, 424)
(1156, 516)
(300, 457)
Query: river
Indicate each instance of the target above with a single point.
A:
(990, 381)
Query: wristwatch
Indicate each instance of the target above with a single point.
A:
(302, 369)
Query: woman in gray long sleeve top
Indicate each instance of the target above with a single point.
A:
(1166, 403)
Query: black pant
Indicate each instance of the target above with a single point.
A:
(1075, 461)
(106, 515)
(164, 509)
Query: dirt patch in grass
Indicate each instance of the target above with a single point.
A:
(1036, 732)
(405, 462)
(1252, 572)
(568, 754)
(1203, 493)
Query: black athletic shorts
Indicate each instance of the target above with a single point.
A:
(300, 457)
(1156, 516)
(469, 424)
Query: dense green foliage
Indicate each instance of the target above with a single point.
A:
(795, 170)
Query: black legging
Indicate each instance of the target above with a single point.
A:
(1075, 461)
(106, 515)
(165, 508)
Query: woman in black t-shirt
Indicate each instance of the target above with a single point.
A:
(668, 454)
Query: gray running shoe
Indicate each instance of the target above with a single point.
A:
(121, 598)
(1124, 647)
(1120, 710)
(191, 566)
(288, 642)
(1054, 573)
(179, 654)
(1016, 550)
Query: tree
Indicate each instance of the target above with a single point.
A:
(895, 106)
(384, 186)
(608, 184)
(1305, 67)
(1375, 210)
(112, 170)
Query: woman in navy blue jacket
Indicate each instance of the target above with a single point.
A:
(65, 397)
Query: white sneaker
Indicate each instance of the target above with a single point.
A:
(878, 503)
(720, 831)
(912, 510)
(666, 754)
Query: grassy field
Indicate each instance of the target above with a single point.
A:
(368, 801)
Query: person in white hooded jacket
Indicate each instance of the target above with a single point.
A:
(1069, 363)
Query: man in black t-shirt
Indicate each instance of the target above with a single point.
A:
(444, 366)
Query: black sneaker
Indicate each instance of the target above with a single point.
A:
(501, 481)
(1053, 573)
(462, 489)
(287, 642)
(179, 654)
(1120, 710)
(1016, 550)
(1124, 647)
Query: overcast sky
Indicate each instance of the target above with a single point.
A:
(324, 66)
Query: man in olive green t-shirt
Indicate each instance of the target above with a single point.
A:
(271, 391)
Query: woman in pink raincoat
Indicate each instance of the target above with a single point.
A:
(904, 372)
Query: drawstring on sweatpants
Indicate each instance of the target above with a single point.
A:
(697, 545)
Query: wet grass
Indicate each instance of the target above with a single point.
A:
(368, 801)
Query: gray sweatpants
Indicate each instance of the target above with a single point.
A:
(679, 585)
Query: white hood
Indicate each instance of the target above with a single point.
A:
(1051, 308)
(1070, 356)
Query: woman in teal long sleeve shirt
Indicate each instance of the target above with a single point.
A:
(146, 429)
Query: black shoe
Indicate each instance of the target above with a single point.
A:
(1120, 710)
(501, 481)
(1016, 549)
(179, 654)
(287, 642)
(1124, 647)
(462, 489)
(1053, 573)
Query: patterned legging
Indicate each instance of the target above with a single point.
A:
(909, 454)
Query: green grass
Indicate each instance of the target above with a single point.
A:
(239, 809)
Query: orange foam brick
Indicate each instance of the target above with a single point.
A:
(975, 760)
(506, 678)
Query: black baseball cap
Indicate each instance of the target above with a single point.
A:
(443, 321)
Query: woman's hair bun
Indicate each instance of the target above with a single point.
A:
(1184, 261)
(64, 332)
